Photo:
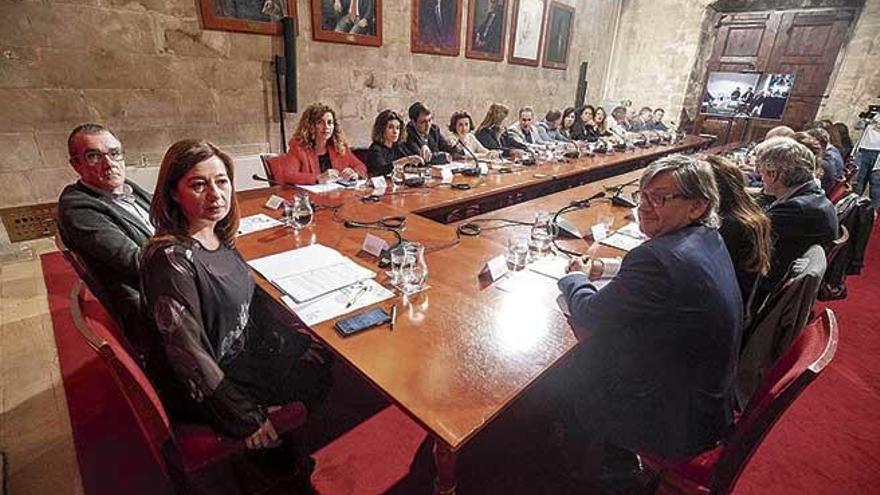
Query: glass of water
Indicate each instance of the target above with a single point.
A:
(517, 253)
(413, 269)
(542, 235)
(398, 175)
(298, 212)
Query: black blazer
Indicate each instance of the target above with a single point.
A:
(109, 241)
(435, 141)
(804, 219)
(380, 158)
(657, 369)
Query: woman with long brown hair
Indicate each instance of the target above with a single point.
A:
(231, 352)
(745, 227)
(492, 132)
(318, 151)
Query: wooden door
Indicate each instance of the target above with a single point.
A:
(804, 43)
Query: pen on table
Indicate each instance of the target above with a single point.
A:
(357, 295)
(393, 316)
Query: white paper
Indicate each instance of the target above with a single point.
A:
(550, 266)
(496, 267)
(621, 241)
(334, 304)
(310, 272)
(257, 222)
(632, 229)
(523, 281)
(599, 231)
(274, 202)
(374, 244)
(484, 169)
(378, 182)
(321, 188)
(379, 191)
(446, 175)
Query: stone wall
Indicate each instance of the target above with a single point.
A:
(663, 45)
(857, 81)
(147, 69)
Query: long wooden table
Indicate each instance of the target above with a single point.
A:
(461, 351)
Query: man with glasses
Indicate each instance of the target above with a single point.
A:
(799, 211)
(655, 369)
(105, 220)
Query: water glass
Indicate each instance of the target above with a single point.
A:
(398, 175)
(298, 212)
(398, 261)
(517, 253)
(542, 235)
(414, 269)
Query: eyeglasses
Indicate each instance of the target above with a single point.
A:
(94, 157)
(657, 200)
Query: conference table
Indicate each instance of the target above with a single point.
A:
(462, 350)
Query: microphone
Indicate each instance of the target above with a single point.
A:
(476, 169)
(272, 182)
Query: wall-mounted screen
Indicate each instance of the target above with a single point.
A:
(729, 94)
(771, 96)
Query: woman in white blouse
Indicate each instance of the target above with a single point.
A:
(461, 125)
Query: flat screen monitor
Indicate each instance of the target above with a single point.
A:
(771, 96)
(729, 94)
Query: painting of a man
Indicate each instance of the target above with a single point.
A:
(349, 16)
(489, 14)
(437, 26)
(558, 36)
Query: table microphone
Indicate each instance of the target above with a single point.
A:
(586, 202)
(476, 169)
(271, 182)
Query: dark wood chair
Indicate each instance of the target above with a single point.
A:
(716, 471)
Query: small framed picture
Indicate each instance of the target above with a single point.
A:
(527, 33)
(487, 29)
(260, 17)
(558, 39)
(356, 22)
(436, 26)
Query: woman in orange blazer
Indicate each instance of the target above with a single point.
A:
(318, 152)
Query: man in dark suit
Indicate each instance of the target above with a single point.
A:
(104, 219)
(655, 368)
(800, 213)
(423, 137)
(349, 16)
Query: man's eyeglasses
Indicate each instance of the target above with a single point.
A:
(658, 200)
(94, 157)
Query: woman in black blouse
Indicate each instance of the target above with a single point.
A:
(584, 126)
(387, 149)
(235, 352)
(493, 134)
(745, 227)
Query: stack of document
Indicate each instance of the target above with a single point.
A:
(318, 273)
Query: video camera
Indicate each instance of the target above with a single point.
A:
(869, 114)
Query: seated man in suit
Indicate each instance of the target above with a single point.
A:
(655, 370)
(423, 136)
(831, 160)
(643, 121)
(800, 213)
(525, 132)
(657, 120)
(105, 220)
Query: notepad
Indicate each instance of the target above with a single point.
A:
(310, 272)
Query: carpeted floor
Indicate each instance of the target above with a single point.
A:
(828, 443)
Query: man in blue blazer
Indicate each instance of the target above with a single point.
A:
(655, 367)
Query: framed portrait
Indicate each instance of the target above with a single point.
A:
(558, 39)
(246, 16)
(487, 29)
(356, 22)
(527, 32)
(436, 26)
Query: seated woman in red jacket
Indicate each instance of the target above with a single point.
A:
(318, 151)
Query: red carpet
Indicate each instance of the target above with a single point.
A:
(827, 444)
